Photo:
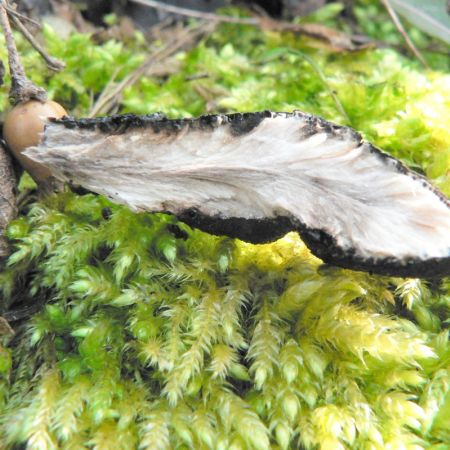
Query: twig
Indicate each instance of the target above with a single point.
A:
(22, 89)
(403, 32)
(335, 38)
(5, 327)
(196, 76)
(52, 63)
(13, 12)
(8, 202)
(8, 208)
(112, 91)
(197, 14)
(2, 72)
(14, 315)
(102, 99)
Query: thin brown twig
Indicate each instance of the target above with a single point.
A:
(52, 63)
(5, 327)
(8, 201)
(113, 91)
(197, 14)
(22, 89)
(156, 31)
(13, 12)
(335, 38)
(197, 76)
(14, 315)
(398, 24)
(98, 104)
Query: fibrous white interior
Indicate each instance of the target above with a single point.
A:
(328, 180)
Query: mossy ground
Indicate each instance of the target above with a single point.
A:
(152, 335)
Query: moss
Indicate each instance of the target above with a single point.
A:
(152, 335)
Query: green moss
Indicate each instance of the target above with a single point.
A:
(152, 335)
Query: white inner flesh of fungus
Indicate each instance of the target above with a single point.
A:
(328, 182)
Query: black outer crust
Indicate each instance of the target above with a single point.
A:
(321, 244)
(324, 247)
(255, 231)
(264, 230)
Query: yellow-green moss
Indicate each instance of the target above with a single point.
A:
(151, 335)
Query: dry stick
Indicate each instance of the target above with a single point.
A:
(22, 89)
(13, 12)
(317, 31)
(403, 32)
(107, 97)
(14, 315)
(103, 99)
(52, 63)
(5, 327)
(111, 92)
(197, 14)
(8, 209)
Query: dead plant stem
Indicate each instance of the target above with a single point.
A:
(113, 91)
(398, 24)
(52, 63)
(336, 39)
(22, 89)
(187, 12)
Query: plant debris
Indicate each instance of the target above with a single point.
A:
(8, 209)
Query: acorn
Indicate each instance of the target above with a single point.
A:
(24, 126)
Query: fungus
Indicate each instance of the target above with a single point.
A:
(256, 176)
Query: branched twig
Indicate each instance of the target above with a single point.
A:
(113, 91)
(22, 89)
(52, 63)
(13, 12)
(403, 32)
